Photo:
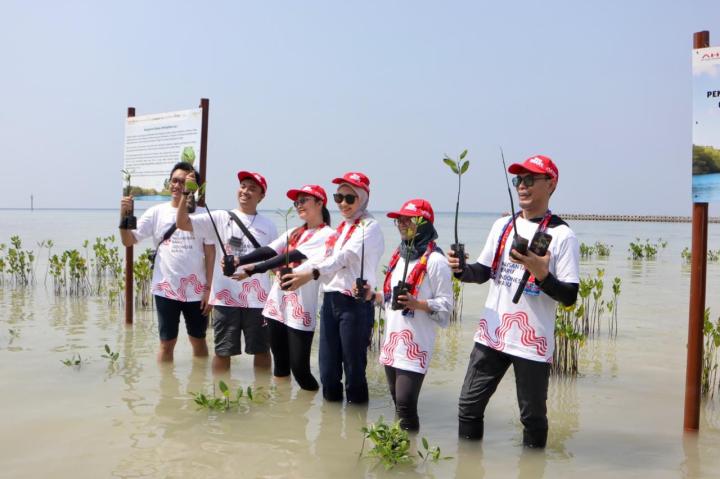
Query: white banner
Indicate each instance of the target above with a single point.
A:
(706, 125)
(153, 144)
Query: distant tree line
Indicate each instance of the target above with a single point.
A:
(706, 159)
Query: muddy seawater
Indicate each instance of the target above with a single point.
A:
(621, 417)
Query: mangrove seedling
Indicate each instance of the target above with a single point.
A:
(403, 288)
(129, 221)
(285, 215)
(188, 155)
(74, 361)
(111, 356)
(459, 167)
(391, 444)
(225, 401)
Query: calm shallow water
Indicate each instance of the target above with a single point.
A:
(622, 417)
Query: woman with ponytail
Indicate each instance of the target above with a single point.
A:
(410, 329)
(352, 252)
(292, 314)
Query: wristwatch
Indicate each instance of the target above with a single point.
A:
(315, 274)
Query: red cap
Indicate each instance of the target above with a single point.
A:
(312, 190)
(536, 164)
(356, 179)
(417, 207)
(257, 177)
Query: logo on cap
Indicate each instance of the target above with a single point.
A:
(410, 206)
(537, 161)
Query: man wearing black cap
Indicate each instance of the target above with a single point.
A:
(519, 333)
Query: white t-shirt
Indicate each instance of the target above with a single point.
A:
(250, 292)
(525, 329)
(298, 309)
(341, 265)
(179, 271)
(410, 339)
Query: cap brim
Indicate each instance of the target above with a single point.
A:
(293, 195)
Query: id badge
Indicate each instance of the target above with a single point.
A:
(237, 245)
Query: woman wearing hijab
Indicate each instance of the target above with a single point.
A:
(346, 322)
(292, 313)
(410, 330)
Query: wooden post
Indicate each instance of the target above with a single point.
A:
(205, 105)
(129, 266)
(693, 373)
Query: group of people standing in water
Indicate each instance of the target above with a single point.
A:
(276, 313)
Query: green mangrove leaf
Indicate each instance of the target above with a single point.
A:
(465, 167)
(188, 155)
(424, 440)
(223, 387)
(463, 154)
(191, 186)
(449, 161)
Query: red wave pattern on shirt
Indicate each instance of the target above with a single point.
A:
(528, 337)
(272, 311)
(297, 310)
(247, 288)
(166, 289)
(413, 349)
(190, 280)
(225, 296)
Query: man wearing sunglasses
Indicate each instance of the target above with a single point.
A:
(519, 333)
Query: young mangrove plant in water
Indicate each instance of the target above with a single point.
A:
(647, 250)
(391, 445)
(142, 275)
(459, 167)
(227, 400)
(20, 263)
(111, 356)
(73, 361)
(457, 287)
(711, 334)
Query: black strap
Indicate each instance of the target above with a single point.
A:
(165, 237)
(244, 229)
(168, 234)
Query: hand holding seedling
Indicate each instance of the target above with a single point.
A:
(539, 266)
(126, 205)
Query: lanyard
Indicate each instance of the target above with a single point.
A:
(504, 236)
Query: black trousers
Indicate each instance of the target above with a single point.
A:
(405, 390)
(291, 352)
(486, 369)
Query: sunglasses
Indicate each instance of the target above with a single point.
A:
(339, 197)
(528, 180)
(301, 201)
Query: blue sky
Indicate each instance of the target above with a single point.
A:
(304, 91)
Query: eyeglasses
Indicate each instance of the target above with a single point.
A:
(177, 181)
(403, 220)
(349, 199)
(528, 180)
(301, 201)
